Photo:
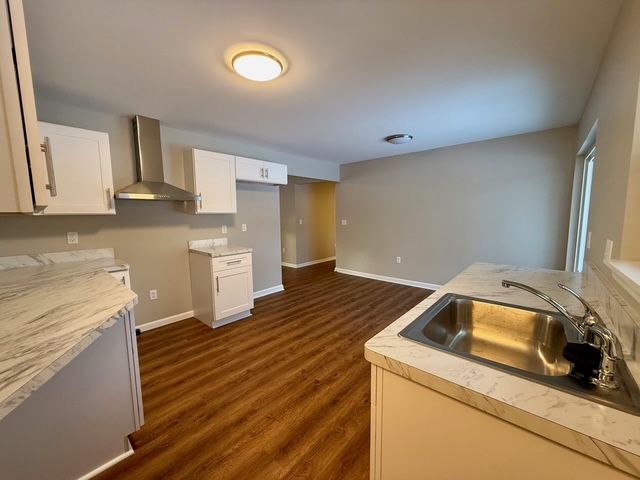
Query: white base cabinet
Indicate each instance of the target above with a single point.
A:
(221, 288)
(418, 433)
(211, 175)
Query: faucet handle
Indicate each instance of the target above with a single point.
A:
(591, 317)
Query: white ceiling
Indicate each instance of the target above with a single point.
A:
(447, 71)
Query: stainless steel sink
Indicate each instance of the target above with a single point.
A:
(525, 342)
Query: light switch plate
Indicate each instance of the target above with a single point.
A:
(72, 238)
(224, 229)
(300, 221)
(398, 259)
(608, 249)
(343, 221)
(153, 294)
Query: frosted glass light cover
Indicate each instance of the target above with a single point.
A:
(257, 66)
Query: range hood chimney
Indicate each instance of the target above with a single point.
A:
(148, 150)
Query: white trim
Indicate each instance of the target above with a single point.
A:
(161, 322)
(384, 278)
(231, 318)
(109, 464)
(268, 291)
(306, 264)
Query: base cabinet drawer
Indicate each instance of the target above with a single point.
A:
(232, 261)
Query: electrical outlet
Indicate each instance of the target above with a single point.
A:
(153, 294)
(398, 259)
(224, 229)
(72, 238)
(300, 221)
(343, 221)
(244, 227)
(283, 250)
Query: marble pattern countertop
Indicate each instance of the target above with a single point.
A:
(50, 314)
(608, 435)
(216, 248)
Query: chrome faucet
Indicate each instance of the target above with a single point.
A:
(591, 328)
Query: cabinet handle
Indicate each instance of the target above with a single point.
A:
(200, 194)
(45, 147)
(217, 285)
(234, 262)
(112, 205)
(266, 173)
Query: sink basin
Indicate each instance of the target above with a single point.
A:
(522, 341)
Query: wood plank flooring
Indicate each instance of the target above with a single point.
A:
(282, 394)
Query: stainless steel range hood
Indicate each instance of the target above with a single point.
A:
(148, 150)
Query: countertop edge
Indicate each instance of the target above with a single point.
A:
(202, 251)
(24, 392)
(107, 318)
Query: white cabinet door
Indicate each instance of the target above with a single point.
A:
(233, 292)
(275, 173)
(214, 179)
(249, 169)
(22, 174)
(80, 168)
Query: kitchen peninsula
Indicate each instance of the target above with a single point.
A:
(69, 382)
(499, 418)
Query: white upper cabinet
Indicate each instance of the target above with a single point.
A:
(251, 170)
(212, 176)
(79, 166)
(276, 173)
(23, 176)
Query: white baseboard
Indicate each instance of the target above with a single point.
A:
(161, 322)
(231, 319)
(109, 464)
(268, 291)
(164, 321)
(384, 278)
(307, 264)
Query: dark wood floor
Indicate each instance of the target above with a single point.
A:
(282, 394)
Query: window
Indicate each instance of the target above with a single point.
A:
(585, 204)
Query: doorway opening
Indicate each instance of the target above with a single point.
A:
(307, 222)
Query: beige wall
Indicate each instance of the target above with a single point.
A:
(152, 236)
(288, 222)
(615, 211)
(316, 207)
(503, 201)
(313, 203)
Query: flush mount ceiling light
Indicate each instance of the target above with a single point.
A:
(399, 138)
(257, 65)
